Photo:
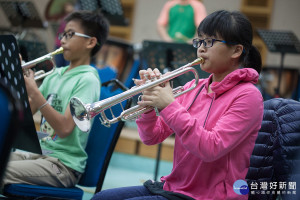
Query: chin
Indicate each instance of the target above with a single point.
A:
(66, 57)
(203, 68)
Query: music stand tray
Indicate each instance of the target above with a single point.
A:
(282, 42)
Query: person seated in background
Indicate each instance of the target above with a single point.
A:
(68, 7)
(64, 158)
(215, 125)
(179, 19)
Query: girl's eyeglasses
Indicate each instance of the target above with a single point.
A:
(208, 42)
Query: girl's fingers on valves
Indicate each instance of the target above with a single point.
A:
(157, 73)
(142, 73)
(137, 81)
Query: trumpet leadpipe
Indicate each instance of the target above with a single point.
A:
(47, 57)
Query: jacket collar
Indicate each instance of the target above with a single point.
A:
(232, 79)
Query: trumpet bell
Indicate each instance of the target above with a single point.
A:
(80, 114)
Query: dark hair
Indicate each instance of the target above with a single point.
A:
(234, 28)
(94, 24)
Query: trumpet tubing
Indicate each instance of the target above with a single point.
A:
(83, 113)
(48, 57)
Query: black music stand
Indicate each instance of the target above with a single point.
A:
(31, 50)
(167, 56)
(111, 9)
(11, 72)
(22, 14)
(282, 42)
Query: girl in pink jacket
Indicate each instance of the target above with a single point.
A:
(215, 125)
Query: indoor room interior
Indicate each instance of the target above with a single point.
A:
(134, 44)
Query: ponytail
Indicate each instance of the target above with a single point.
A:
(253, 59)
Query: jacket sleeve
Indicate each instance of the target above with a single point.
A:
(152, 129)
(238, 123)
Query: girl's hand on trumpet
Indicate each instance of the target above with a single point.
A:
(157, 96)
(146, 75)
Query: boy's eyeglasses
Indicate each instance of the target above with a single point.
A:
(70, 34)
(208, 42)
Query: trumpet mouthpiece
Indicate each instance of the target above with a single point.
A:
(57, 51)
(198, 61)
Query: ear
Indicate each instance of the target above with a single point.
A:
(92, 42)
(237, 50)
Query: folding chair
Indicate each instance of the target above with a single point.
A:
(100, 146)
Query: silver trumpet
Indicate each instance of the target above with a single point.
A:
(83, 113)
(42, 66)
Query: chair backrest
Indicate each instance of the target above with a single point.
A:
(261, 161)
(101, 143)
(286, 157)
(274, 157)
(10, 119)
(134, 73)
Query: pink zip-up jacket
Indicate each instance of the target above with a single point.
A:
(213, 139)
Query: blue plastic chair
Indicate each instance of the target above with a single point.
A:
(10, 121)
(100, 146)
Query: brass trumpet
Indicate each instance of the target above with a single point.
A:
(42, 64)
(83, 113)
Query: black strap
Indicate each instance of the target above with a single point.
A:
(196, 96)
(156, 187)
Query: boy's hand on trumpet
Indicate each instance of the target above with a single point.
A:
(30, 83)
(157, 96)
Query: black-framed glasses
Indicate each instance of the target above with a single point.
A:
(208, 42)
(70, 34)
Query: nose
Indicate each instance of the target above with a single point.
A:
(201, 48)
(63, 40)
